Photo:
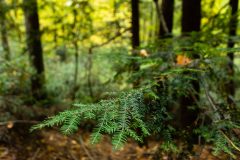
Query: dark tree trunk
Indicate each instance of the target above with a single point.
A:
(167, 11)
(34, 47)
(135, 37)
(135, 23)
(165, 16)
(3, 27)
(191, 16)
(191, 21)
(230, 87)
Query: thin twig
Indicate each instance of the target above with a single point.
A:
(230, 141)
(85, 149)
(210, 100)
(73, 156)
(118, 34)
(69, 151)
(212, 18)
(161, 16)
(219, 118)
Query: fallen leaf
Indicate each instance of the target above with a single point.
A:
(10, 124)
(183, 60)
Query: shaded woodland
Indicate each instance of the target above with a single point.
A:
(119, 79)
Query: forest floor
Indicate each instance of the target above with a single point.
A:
(49, 144)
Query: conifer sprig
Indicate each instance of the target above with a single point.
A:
(119, 117)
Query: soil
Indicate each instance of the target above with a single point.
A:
(17, 143)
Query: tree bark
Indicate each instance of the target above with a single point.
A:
(167, 11)
(34, 47)
(191, 22)
(191, 16)
(4, 35)
(135, 37)
(165, 16)
(135, 24)
(230, 86)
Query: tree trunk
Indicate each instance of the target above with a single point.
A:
(230, 87)
(76, 55)
(5, 44)
(167, 8)
(34, 47)
(135, 23)
(165, 16)
(135, 36)
(191, 16)
(191, 21)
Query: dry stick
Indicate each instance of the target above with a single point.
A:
(85, 149)
(73, 156)
(161, 16)
(210, 100)
(215, 15)
(69, 151)
(219, 118)
(230, 141)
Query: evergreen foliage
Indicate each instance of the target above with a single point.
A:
(119, 117)
(149, 111)
(167, 68)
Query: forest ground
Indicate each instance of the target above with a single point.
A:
(50, 144)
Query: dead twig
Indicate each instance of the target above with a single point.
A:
(214, 107)
(118, 34)
(218, 118)
(85, 149)
(230, 141)
(161, 17)
(73, 156)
